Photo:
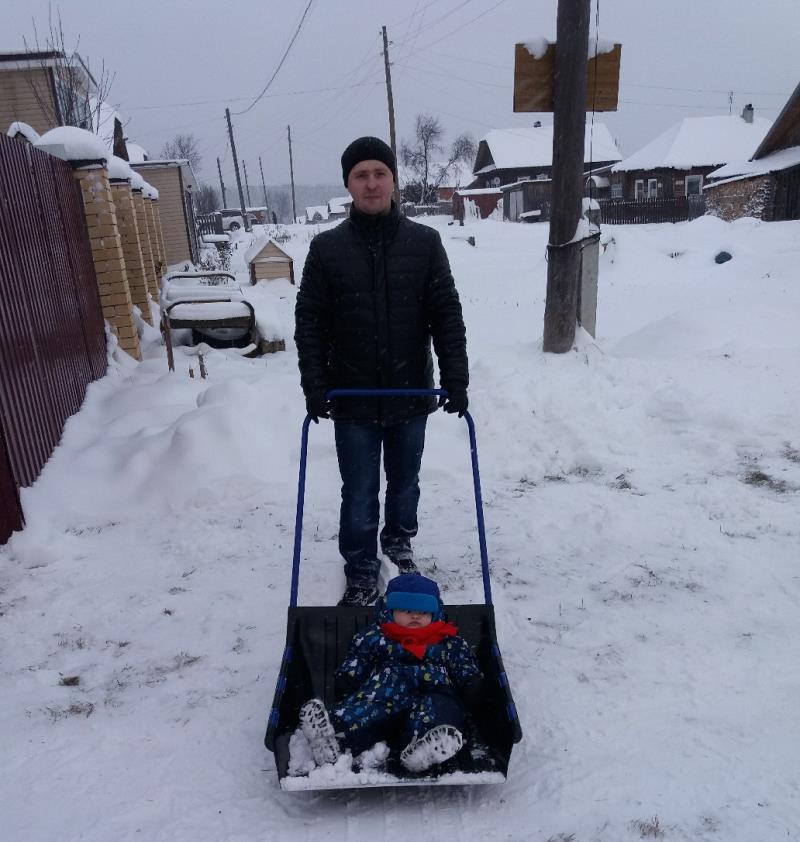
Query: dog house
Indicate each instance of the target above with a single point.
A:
(268, 261)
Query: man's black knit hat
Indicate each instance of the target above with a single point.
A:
(367, 149)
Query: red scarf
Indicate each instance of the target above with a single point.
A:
(416, 641)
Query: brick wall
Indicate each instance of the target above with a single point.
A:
(743, 197)
(108, 256)
(131, 247)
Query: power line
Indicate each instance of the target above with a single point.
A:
(280, 63)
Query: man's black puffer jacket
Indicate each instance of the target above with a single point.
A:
(375, 291)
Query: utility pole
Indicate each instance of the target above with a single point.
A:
(246, 183)
(291, 173)
(221, 185)
(264, 187)
(569, 132)
(236, 168)
(390, 98)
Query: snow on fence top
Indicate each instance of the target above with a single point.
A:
(119, 170)
(699, 142)
(28, 132)
(72, 144)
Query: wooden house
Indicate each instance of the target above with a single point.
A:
(506, 156)
(677, 162)
(44, 89)
(768, 185)
(316, 214)
(175, 182)
(267, 261)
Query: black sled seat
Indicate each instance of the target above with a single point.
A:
(317, 639)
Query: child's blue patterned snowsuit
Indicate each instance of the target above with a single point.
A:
(392, 695)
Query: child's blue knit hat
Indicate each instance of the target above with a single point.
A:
(412, 592)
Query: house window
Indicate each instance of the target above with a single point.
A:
(694, 185)
(616, 190)
(639, 189)
(652, 188)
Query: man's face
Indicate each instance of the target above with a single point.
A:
(371, 185)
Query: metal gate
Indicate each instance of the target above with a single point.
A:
(52, 336)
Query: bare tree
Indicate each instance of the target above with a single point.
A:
(79, 94)
(424, 155)
(206, 198)
(184, 147)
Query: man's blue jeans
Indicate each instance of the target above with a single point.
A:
(358, 447)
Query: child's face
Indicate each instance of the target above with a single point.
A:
(412, 619)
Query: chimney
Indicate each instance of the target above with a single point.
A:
(747, 113)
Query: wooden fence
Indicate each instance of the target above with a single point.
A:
(52, 334)
(640, 211)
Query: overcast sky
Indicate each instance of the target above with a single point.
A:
(179, 64)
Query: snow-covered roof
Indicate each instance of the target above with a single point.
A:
(103, 116)
(28, 132)
(780, 160)
(136, 154)
(533, 146)
(257, 246)
(73, 144)
(322, 210)
(337, 205)
(699, 142)
(480, 191)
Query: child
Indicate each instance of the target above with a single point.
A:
(405, 680)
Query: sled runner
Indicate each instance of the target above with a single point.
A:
(317, 639)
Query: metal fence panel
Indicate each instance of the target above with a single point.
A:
(52, 337)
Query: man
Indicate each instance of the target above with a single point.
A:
(375, 290)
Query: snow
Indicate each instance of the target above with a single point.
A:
(481, 191)
(137, 182)
(322, 210)
(72, 144)
(339, 204)
(532, 147)
(774, 162)
(119, 170)
(215, 310)
(149, 192)
(136, 154)
(699, 142)
(641, 500)
(538, 47)
(28, 132)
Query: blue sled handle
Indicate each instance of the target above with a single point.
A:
(388, 393)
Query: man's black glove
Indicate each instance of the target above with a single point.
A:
(318, 406)
(456, 401)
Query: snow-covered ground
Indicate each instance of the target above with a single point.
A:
(642, 498)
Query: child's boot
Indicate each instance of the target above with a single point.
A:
(435, 746)
(317, 729)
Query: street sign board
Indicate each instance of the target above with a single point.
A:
(533, 79)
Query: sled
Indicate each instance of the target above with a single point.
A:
(317, 639)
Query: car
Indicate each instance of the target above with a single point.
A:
(232, 220)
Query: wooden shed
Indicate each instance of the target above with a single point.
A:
(268, 262)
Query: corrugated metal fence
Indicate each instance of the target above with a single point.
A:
(52, 339)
